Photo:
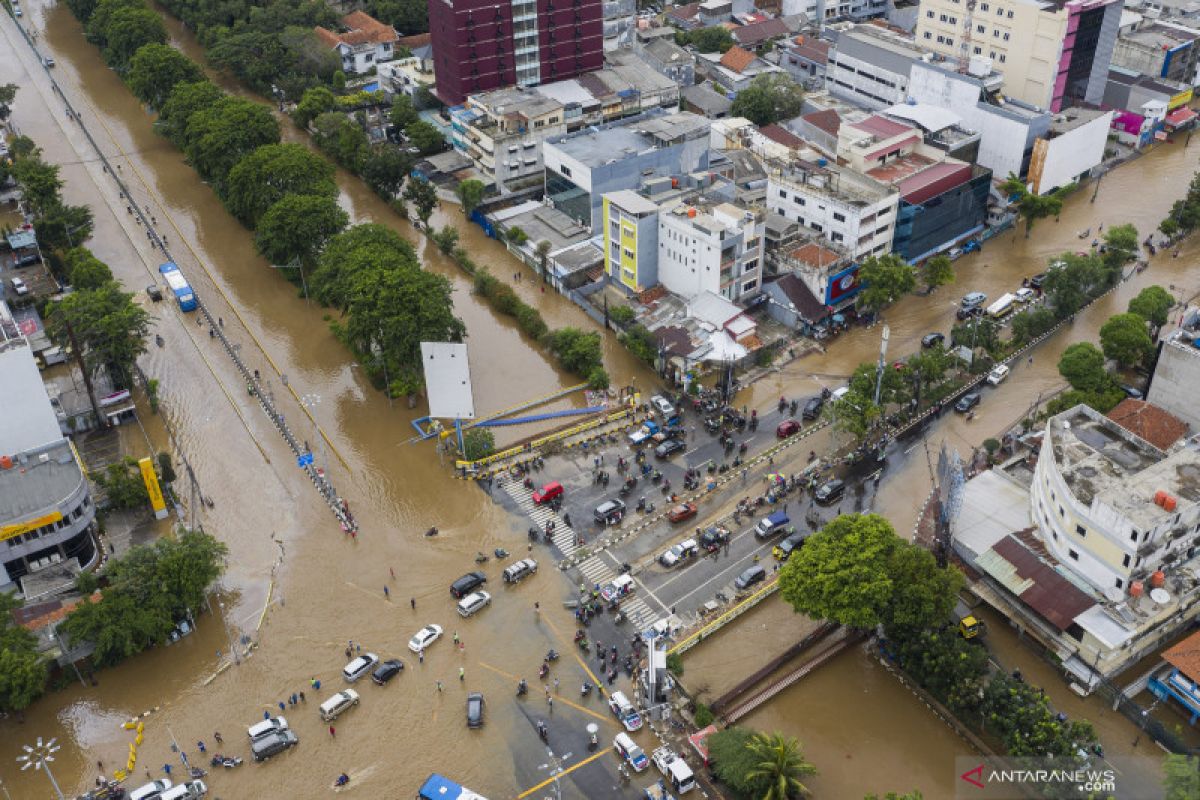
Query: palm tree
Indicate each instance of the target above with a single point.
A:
(779, 761)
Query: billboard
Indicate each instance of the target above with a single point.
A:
(151, 480)
(842, 286)
(448, 380)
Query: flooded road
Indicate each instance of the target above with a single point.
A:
(312, 589)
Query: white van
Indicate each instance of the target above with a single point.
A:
(192, 790)
(997, 375)
(623, 710)
(152, 790)
(628, 750)
(332, 708)
(473, 602)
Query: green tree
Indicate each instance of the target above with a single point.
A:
(60, 227)
(885, 280)
(1125, 339)
(641, 342)
(123, 485)
(854, 413)
(1082, 364)
(732, 760)
(577, 351)
(1181, 776)
(100, 19)
(166, 472)
(1029, 325)
(184, 100)
(315, 102)
(977, 332)
(769, 98)
(1020, 715)
(929, 366)
(409, 16)
(22, 670)
(470, 193)
(517, 235)
(946, 665)
(85, 271)
(445, 239)
(478, 443)
(424, 197)
(715, 39)
(543, 256)
(40, 184)
(82, 9)
(108, 325)
(841, 573)
(1152, 304)
(924, 593)
(402, 113)
(1071, 285)
(1032, 206)
(779, 765)
(343, 139)
(425, 137)
(352, 250)
(297, 227)
(128, 31)
(156, 69)
(221, 135)
(893, 386)
(269, 173)
(1121, 245)
(937, 271)
(915, 794)
(386, 169)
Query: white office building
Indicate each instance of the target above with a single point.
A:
(710, 247)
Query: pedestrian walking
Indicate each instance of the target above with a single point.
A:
(439, 686)
(317, 686)
(332, 731)
(412, 601)
(393, 572)
(358, 648)
(1031, 361)
(266, 715)
(312, 683)
(302, 700)
(217, 737)
(550, 703)
(167, 769)
(556, 685)
(462, 674)
(348, 651)
(387, 594)
(282, 707)
(456, 637)
(421, 656)
(201, 747)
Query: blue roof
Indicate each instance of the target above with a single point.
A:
(18, 240)
(439, 787)
(167, 267)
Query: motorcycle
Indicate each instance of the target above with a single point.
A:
(585, 690)
(228, 762)
(481, 558)
(342, 780)
(543, 733)
(500, 552)
(624, 491)
(619, 617)
(593, 742)
(552, 655)
(431, 532)
(522, 688)
(641, 504)
(543, 670)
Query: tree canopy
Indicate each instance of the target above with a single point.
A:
(424, 197)
(769, 98)
(937, 271)
(1072, 281)
(1083, 367)
(342, 139)
(184, 100)
(129, 29)
(22, 669)
(108, 325)
(85, 271)
(1033, 206)
(156, 69)
(269, 173)
(425, 137)
(779, 764)
(220, 135)
(714, 39)
(297, 227)
(386, 169)
(1152, 304)
(470, 194)
(1125, 339)
(885, 280)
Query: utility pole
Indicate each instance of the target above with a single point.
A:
(87, 379)
(882, 363)
(1096, 190)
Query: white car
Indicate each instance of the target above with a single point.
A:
(152, 790)
(19, 287)
(997, 375)
(359, 667)
(261, 729)
(475, 601)
(662, 405)
(1024, 294)
(425, 637)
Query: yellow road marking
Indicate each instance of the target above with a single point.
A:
(558, 698)
(575, 652)
(552, 779)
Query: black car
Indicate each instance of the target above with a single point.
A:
(967, 402)
(387, 670)
(669, 448)
(932, 339)
(714, 538)
(272, 744)
(475, 710)
(812, 407)
(467, 584)
(830, 491)
(749, 577)
(967, 313)
(154, 293)
(1037, 280)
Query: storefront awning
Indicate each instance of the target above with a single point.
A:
(1180, 117)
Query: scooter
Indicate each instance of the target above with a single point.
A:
(342, 780)
(522, 688)
(481, 558)
(585, 690)
(543, 670)
(593, 743)
(228, 762)
(543, 733)
(552, 655)
(431, 532)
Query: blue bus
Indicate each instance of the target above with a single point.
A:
(179, 286)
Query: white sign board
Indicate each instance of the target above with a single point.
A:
(448, 380)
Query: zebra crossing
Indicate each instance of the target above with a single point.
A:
(594, 570)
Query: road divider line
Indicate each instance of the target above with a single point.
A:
(566, 771)
(558, 697)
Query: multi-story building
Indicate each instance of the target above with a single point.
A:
(942, 200)
(630, 240)
(1112, 506)
(1177, 374)
(710, 247)
(479, 46)
(806, 59)
(846, 207)
(365, 42)
(501, 132)
(619, 25)
(1160, 51)
(1052, 53)
(583, 166)
(870, 65)
(46, 513)
(668, 59)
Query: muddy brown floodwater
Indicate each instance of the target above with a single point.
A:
(327, 589)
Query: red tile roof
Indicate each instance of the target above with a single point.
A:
(1158, 427)
(415, 41)
(737, 59)
(783, 136)
(1185, 656)
(816, 50)
(684, 13)
(814, 254)
(827, 120)
(759, 32)
(327, 36)
(376, 31)
(881, 126)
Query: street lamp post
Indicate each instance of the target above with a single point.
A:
(40, 756)
(311, 401)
